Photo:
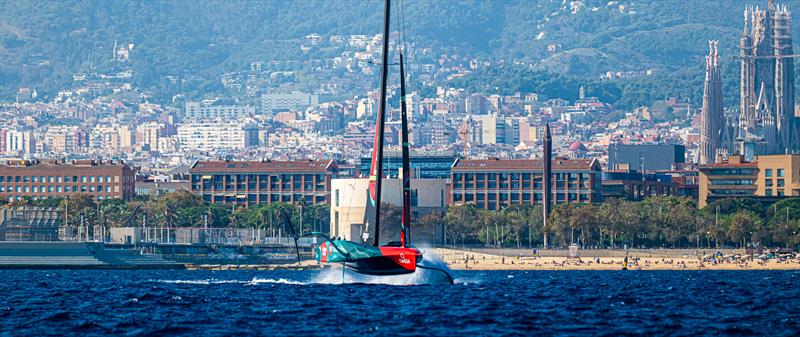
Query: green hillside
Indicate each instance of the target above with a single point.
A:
(42, 43)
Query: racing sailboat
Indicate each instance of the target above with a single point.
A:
(368, 256)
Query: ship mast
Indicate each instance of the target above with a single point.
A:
(405, 235)
(373, 210)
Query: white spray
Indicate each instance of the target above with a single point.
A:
(432, 271)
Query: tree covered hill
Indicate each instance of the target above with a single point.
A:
(42, 43)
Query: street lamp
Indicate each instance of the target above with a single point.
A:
(716, 222)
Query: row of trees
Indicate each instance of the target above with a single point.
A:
(673, 222)
(183, 209)
(669, 222)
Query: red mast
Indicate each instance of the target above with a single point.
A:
(373, 211)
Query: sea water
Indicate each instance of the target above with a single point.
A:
(481, 303)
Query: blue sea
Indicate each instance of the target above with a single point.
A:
(481, 303)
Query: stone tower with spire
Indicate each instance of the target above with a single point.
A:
(767, 124)
(712, 115)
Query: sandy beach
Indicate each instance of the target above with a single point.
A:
(602, 260)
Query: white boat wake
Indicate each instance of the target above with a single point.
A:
(432, 271)
(254, 281)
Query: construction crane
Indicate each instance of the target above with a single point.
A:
(762, 57)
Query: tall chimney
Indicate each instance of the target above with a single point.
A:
(547, 186)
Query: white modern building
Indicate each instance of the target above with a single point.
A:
(349, 198)
(216, 136)
(209, 111)
(20, 141)
(287, 101)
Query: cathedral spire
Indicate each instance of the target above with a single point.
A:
(712, 130)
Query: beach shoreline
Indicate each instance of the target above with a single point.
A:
(610, 260)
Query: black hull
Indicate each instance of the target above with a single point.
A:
(383, 266)
(378, 266)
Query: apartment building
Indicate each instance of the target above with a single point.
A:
(48, 179)
(287, 101)
(261, 182)
(211, 111)
(496, 183)
(767, 178)
(200, 136)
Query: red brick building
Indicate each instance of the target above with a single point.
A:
(495, 183)
(261, 182)
(50, 179)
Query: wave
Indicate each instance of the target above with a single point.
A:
(253, 281)
(256, 280)
(432, 271)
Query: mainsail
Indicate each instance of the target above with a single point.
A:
(372, 226)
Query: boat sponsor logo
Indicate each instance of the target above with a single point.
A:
(403, 259)
(324, 252)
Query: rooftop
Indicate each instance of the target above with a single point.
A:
(269, 166)
(523, 164)
(59, 165)
(730, 162)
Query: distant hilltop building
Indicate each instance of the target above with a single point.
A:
(767, 124)
(121, 52)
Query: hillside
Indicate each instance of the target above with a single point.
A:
(43, 43)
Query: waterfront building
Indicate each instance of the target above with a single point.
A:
(779, 175)
(426, 166)
(261, 182)
(48, 179)
(686, 181)
(155, 188)
(645, 157)
(768, 178)
(633, 185)
(495, 183)
(729, 178)
(350, 198)
(28, 223)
